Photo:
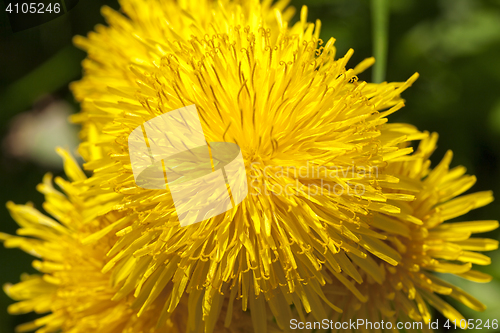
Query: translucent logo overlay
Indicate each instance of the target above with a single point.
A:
(204, 179)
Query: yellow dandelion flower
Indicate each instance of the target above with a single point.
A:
(431, 244)
(72, 288)
(287, 103)
(302, 121)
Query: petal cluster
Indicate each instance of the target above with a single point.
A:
(337, 202)
(427, 246)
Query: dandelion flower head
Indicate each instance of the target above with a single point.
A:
(280, 94)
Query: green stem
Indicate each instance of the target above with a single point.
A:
(380, 26)
(50, 76)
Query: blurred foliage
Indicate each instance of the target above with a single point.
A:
(453, 44)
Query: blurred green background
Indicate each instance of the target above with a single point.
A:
(453, 44)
